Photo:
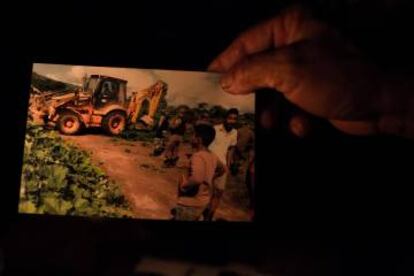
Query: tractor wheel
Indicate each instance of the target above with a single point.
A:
(69, 123)
(114, 122)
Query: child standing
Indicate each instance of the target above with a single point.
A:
(196, 188)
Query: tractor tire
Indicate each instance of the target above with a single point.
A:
(114, 122)
(69, 123)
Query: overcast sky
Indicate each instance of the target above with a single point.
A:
(184, 87)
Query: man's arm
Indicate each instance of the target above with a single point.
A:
(230, 155)
(231, 151)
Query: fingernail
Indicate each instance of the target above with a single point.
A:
(226, 81)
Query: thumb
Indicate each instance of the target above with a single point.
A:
(359, 128)
(273, 69)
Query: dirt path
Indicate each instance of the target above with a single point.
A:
(150, 188)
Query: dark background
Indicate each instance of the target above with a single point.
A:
(328, 205)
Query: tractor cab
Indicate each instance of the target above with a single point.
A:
(105, 90)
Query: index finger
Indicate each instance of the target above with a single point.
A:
(256, 39)
(292, 25)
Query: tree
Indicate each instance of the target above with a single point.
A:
(183, 106)
(202, 106)
(247, 118)
(217, 112)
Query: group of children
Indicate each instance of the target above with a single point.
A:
(201, 188)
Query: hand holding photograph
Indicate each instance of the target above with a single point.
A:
(137, 143)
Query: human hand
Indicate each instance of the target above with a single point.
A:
(317, 70)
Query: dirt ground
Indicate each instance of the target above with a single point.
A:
(149, 187)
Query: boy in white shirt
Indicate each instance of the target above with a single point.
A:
(223, 146)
